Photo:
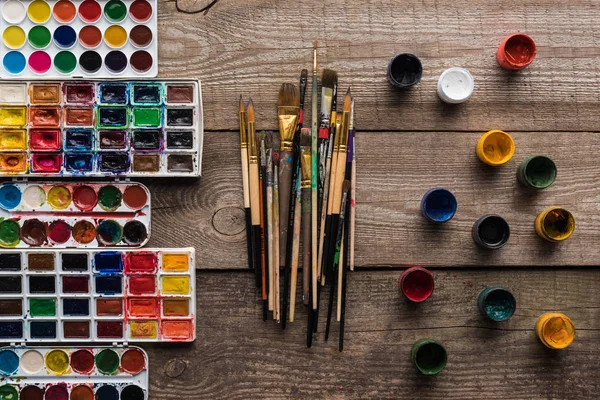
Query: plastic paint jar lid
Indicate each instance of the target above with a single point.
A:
(516, 52)
(404, 70)
(555, 224)
(495, 148)
(491, 231)
(537, 172)
(429, 356)
(555, 330)
(438, 205)
(455, 85)
(13, 12)
(416, 283)
(496, 303)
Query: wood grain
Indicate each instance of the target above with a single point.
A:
(238, 356)
(250, 47)
(394, 170)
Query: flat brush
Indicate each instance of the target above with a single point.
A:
(288, 108)
(306, 172)
(254, 189)
(329, 233)
(292, 257)
(340, 175)
(245, 183)
(328, 82)
(263, 225)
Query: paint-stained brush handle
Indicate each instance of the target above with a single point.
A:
(285, 190)
(306, 244)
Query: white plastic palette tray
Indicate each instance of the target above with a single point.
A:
(98, 296)
(104, 372)
(128, 49)
(36, 138)
(53, 214)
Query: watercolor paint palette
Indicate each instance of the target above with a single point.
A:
(98, 128)
(78, 38)
(62, 214)
(76, 373)
(98, 296)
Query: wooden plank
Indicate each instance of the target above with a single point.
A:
(394, 171)
(238, 356)
(250, 47)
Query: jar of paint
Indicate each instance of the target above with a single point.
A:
(555, 224)
(537, 172)
(496, 303)
(416, 283)
(516, 52)
(404, 70)
(555, 330)
(491, 231)
(429, 356)
(455, 85)
(438, 205)
(495, 148)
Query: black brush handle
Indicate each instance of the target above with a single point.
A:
(290, 239)
(332, 287)
(309, 324)
(249, 237)
(326, 239)
(316, 316)
(256, 255)
(344, 274)
(335, 221)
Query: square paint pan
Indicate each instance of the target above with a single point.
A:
(97, 296)
(95, 128)
(78, 39)
(62, 373)
(65, 214)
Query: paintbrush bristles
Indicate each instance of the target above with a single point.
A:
(328, 78)
(347, 101)
(346, 186)
(288, 96)
(306, 137)
(250, 111)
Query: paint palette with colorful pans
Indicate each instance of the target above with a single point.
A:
(75, 373)
(51, 214)
(97, 296)
(97, 128)
(78, 38)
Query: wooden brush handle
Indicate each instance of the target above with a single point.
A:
(254, 194)
(306, 244)
(295, 252)
(285, 190)
(245, 183)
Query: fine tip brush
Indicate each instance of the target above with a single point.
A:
(314, 179)
(306, 187)
(254, 193)
(288, 109)
(276, 262)
(267, 165)
(245, 183)
(262, 178)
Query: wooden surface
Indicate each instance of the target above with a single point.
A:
(407, 142)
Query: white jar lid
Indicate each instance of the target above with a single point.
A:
(455, 85)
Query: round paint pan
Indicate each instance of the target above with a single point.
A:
(107, 361)
(115, 36)
(90, 61)
(90, 37)
(438, 205)
(115, 61)
(14, 62)
(555, 330)
(497, 303)
(404, 71)
(64, 11)
(133, 361)
(14, 37)
(59, 232)
(429, 356)
(9, 362)
(495, 148)
(85, 198)
(115, 11)
(10, 196)
(9, 233)
(416, 283)
(455, 85)
(38, 11)
(39, 62)
(109, 233)
(537, 172)
(140, 36)
(13, 12)
(34, 232)
(555, 224)
(84, 232)
(491, 231)
(135, 197)
(89, 11)
(64, 37)
(140, 11)
(141, 61)
(516, 52)
(39, 37)
(82, 361)
(135, 233)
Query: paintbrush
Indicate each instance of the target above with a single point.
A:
(344, 269)
(267, 164)
(328, 81)
(314, 180)
(263, 223)
(245, 184)
(295, 248)
(340, 242)
(254, 193)
(288, 107)
(306, 171)
(352, 218)
(276, 285)
(325, 200)
(327, 253)
(340, 174)
(292, 257)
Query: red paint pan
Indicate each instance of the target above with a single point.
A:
(516, 52)
(416, 283)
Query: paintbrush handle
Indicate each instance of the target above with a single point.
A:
(269, 238)
(263, 247)
(295, 257)
(290, 240)
(339, 282)
(285, 191)
(255, 219)
(249, 237)
(306, 243)
(352, 218)
(324, 201)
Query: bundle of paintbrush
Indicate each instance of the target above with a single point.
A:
(301, 182)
